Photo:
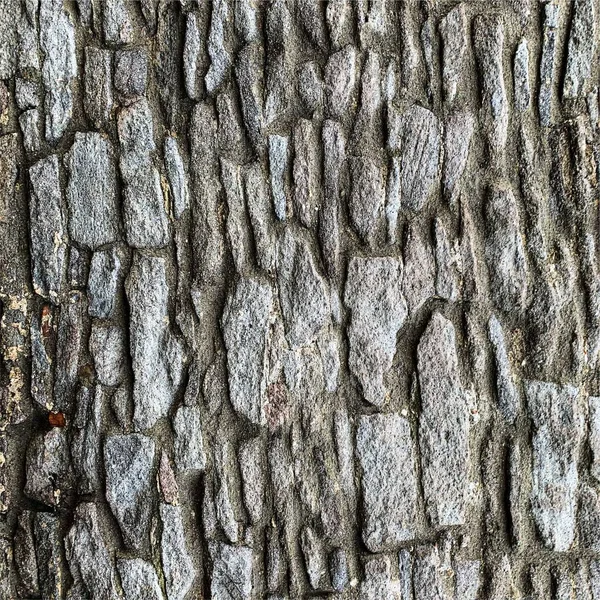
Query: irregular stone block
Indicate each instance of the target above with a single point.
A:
(177, 177)
(373, 293)
(457, 140)
(107, 347)
(97, 85)
(278, 166)
(505, 250)
(594, 438)
(57, 41)
(52, 570)
(253, 467)
(303, 292)
(117, 25)
(416, 136)
(139, 579)
(521, 77)
(431, 577)
(102, 283)
(130, 488)
(418, 282)
(379, 581)
(455, 36)
(307, 173)
(131, 72)
(443, 425)
(245, 329)
(581, 49)
(177, 564)
(89, 558)
(558, 420)
(188, 443)
(220, 59)
(191, 55)
(232, 572)
(92, 192)
(386, 455)
(29, 122)
(340, 82)
(546, 77)
(48, 235)
(249, 75)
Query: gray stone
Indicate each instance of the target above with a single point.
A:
(258, 201)
(386, 455)
(91, 192)
(393, 198)
(29, 121)
(85, 442)
(131, 72)
(367, 131)
(307, 173)
(57, 41)
(191, 56)
(117, 25)
(457, 141)
(310, 86)
(188, 443)
(581, 49)
(558, 420)
(455, 34)
(588, 518)
(48, 235)
(139, 579)
(24, 554)
(48, 472)
(177, 177)
(546, 77)
(373, 293)
(252, 460)
(340, 82)
(41, 363)
(146, 222)
(468, 580)
(521, 77)
(232, 141)
(156, 354)
(176, 562)
(488, 42)
(108, 350)
(278, 166)
(367, 198)
(122, 406)
(227, 492)
(303, 292)
(232, 572)
(418, 282)
(448, 264)
(130, 490)
(314, 559)
(220, 59)
(443, 425)
(247, 23)
(504, 250)
(52, 572)
(431, 578)
(249, 75)
(338, 570)
(594, 436)
(88, 555)
(26, 93)
(508, 395)
(97, 85)
(415, 135)
(379, 581)
(334, 154)
(245, 329)
(102, 283)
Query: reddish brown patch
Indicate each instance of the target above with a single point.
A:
(46, 324)
(57, 419)
(276, 405)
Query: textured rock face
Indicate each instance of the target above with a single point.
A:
(299, 299)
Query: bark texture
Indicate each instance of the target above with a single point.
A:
(299, 299)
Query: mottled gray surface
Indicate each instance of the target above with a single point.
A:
(299, 299)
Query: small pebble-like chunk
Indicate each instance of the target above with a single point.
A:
(92, 191)
(176, 562)
(232, 572)
(415, 135)
(130, 486)
(386, 455)
(559, 428)
(48, 235)
(245, 329)
(443, 424)
(303, 292)
(373, 293)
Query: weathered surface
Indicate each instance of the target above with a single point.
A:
(299, 299)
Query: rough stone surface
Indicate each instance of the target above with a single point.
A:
(232, 572)
(386, 455)
(373, 293)
(444, 424)
(129, 465)
(139, 579)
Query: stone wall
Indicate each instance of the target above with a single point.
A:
(299, 299)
